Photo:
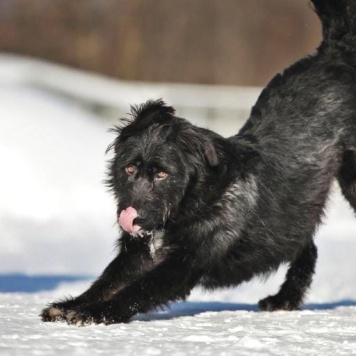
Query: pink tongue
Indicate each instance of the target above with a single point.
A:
(126, 219)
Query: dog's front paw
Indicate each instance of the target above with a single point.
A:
(52, 313)
(85, 316)
(76, 315)
(81, 313)
(58, 311)
(98, 313)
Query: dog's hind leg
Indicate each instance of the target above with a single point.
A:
(298, 280)
(347, 177)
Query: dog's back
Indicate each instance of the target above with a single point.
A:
(310, 110)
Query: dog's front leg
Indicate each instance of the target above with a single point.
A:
(171, 280)
(133, 260)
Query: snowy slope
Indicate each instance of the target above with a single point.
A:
(56, 217)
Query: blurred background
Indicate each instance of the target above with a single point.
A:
(70, 69)
(234, 42)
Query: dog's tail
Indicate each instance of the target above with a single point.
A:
(338, 18)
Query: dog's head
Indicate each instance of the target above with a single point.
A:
(157, 157)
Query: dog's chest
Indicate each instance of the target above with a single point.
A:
(156, 242)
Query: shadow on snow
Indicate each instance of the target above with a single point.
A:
(195, 308)
(20, 283)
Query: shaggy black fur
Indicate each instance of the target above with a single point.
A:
(226, 210)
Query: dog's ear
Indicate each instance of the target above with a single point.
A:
(198, 143)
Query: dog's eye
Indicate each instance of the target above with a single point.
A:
(130, 169)
(161, 175)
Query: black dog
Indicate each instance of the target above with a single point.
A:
(199, 209)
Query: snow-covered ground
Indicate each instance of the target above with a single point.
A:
(57, 218)
(191, 328)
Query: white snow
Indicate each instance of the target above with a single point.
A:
(56, 217)
(53, 202)
(188, 329)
